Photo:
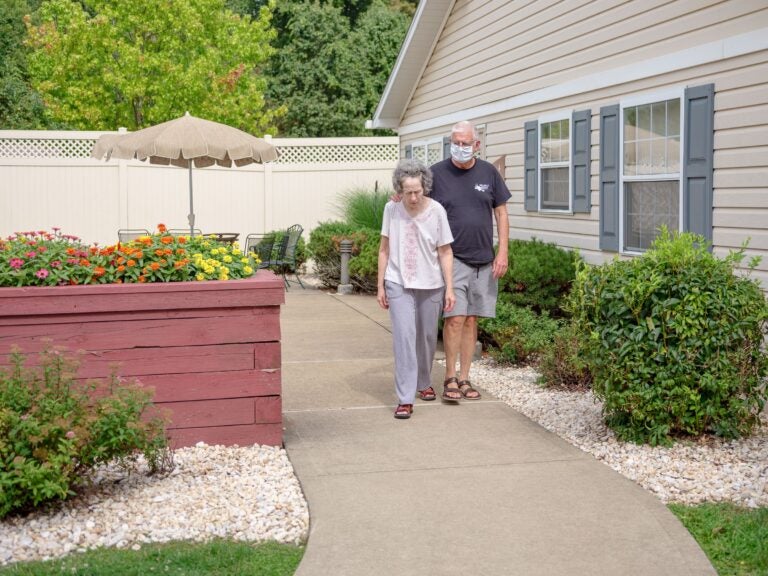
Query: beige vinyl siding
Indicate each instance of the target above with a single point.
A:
(497, 49)
(740, 158)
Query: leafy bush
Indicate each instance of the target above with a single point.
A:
(675, 341)
(363, 208)
(54, 430)
(517, 335)
(324, 244)
(539, 275)
(364, 267)
(562, 364)
(53, 259)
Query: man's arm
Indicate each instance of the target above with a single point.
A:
(501, 261)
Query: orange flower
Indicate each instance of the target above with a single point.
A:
(131, 263)
(182, 240)
(154, 266)
(179, 264)
(166, 239)
(121, 268)
(146, 241)
(167, 252)
(121, 260)
(180, 251)
(98, 271)
(163, 261)
(84, 262)
(159, 252)
(161, 228)
(118, 281)
(71, 251)
(142, 278)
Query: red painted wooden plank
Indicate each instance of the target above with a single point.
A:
(209, 385)
(247, 435)
(223, 412)
(143, 333)
(132, 315)
(178, 360)
(260, 290)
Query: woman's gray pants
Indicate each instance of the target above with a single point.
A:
(414, 314)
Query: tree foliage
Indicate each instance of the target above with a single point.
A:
(101, 64)
(326, 71)
(20, 106)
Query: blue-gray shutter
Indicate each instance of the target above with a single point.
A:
(698, 143)
(580, 160)
(408, 151)
(531, 181)
(446, 147)
(609, 178)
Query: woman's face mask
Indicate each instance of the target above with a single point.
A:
(461, 154)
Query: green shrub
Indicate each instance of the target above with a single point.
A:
(363, 208)
(539, 275)
(517, 335)
(324, 245)
(54, 430)
(562, 363)
(674, 341)
(364, 267)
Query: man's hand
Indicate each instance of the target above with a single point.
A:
(500, 266)
(396, 197)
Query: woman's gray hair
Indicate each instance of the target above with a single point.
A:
(412, 168)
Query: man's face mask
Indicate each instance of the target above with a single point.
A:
(461, 154)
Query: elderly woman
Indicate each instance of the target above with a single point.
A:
(415, 279)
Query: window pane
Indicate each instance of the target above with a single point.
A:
(434, 153)
(673, 118)
(554, 188)
(555, 144)
(630, 159)
(659, 119)
(658, 156)
(643, 157)
(673, 155)
(644, 121)
(648, 206)
(630, 124)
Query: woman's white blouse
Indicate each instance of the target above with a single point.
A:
(413, 243)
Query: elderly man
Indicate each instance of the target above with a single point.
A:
(472, 192)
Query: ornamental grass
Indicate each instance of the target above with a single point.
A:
(41, 258)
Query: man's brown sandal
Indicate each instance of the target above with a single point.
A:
(427, 394)
(403, 411)
(469, 393)
(451, 393)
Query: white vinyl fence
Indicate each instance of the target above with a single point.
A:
(47, 179)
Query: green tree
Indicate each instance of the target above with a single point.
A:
(101, 64)
(20, 106)
(327, 73)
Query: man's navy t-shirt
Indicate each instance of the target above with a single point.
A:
(469, 197)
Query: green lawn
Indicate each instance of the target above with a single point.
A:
(735, 539)
(220, 558)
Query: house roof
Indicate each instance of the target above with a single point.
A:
(414, 54)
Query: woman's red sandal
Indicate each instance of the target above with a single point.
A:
(403, 411)
(427, 394)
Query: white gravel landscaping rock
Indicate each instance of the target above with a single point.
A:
(244, 493)
(713, 470)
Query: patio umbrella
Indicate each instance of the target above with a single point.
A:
(185, 141)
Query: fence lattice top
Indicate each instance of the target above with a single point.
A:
(34, 148)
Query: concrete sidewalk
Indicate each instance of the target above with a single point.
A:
(470, 489)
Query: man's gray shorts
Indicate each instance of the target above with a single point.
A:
(476, 290)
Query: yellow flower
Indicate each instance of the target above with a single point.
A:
(200, 276)
(244, 260)
(208, 269)
(247, 269)
(227, 258)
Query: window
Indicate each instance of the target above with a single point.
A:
(650, 170)
(555, 164)
(656, 167)
(428, 152)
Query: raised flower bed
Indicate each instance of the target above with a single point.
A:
(211, 349)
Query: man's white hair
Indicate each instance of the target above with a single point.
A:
(463, 125)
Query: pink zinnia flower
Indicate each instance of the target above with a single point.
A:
(56, 264)
(31, 254)
(42, 273)
(70, 434)
(16, 263)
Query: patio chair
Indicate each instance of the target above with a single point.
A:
(183, 231)
(262, 246)
(128, 234)
(286, 256)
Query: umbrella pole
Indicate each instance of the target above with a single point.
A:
(191, 216)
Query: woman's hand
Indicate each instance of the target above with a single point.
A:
(381, 297)
(450, 301)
